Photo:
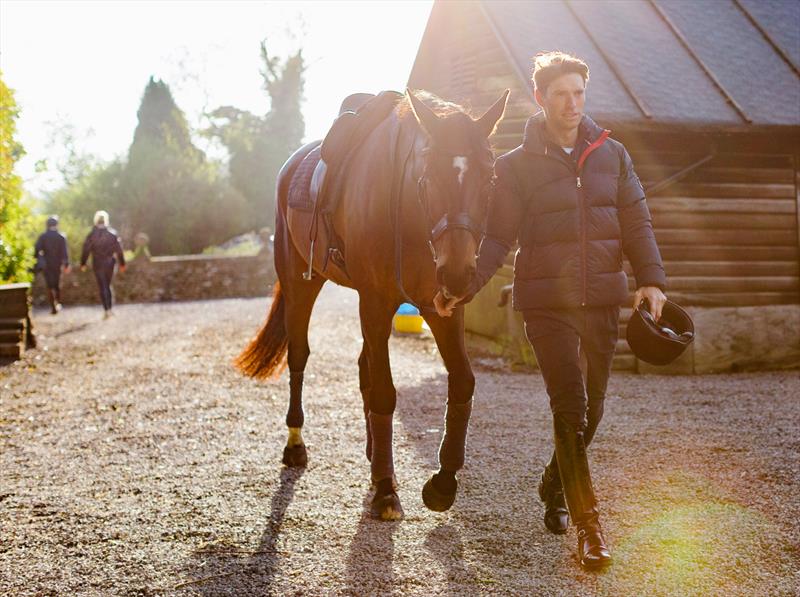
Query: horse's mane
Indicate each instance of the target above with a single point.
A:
(434, 102)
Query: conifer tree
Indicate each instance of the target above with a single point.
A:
(168, 189)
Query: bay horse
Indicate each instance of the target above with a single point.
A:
(410, 216)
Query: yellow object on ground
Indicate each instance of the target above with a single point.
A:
(408, 324)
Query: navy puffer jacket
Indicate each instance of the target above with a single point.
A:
(573, 216)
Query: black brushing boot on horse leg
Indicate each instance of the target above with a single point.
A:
(439, 492)
(385, 503)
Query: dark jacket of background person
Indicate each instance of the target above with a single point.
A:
(574, 216)
(53, 246)
(103, 244)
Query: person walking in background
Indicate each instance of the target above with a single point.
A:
(51, 256)
(106, 250)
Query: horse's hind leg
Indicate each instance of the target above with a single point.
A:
(439, 492)
(300, 297)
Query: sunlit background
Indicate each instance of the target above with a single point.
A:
(87, 63)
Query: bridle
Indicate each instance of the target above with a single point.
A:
(449, 221)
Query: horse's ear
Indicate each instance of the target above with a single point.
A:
(492, 116)
(425, 116)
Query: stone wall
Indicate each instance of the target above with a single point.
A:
(739, 339)
(726, 338)
(178, 278)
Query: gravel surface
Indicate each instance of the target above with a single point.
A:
(134, 460)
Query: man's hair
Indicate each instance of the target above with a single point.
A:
(101, 218)
(548, 66)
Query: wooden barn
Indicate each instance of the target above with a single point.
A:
(706, 97)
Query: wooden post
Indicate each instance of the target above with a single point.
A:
(797, 209)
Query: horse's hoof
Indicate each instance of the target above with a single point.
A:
(295, 456)
(435, 499)
(385, 503)
(386, 507)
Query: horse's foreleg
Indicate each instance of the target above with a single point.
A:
(363, 383)
(439, 492)
(376, 325)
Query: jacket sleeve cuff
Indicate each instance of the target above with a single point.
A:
(651, 275)
(492, 254)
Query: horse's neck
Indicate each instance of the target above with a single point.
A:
(414, 219)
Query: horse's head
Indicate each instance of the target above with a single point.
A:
(454, 188)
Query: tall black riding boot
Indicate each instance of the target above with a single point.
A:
(556, 516)
(573, 467)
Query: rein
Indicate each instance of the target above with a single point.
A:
(398, 236)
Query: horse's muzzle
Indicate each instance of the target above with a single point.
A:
(455, 284)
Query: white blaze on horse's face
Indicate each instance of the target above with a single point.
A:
(460, 162)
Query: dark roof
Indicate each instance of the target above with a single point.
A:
(728, 63)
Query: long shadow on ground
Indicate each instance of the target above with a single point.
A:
(228, 569)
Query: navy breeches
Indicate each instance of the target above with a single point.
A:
(558, 337)
(103, 274)
(52, 277)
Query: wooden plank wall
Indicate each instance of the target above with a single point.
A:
(728, 232)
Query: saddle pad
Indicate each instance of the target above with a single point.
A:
(300, 187)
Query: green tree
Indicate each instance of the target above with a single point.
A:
(97, 187)
(16, 218)
(259, 145)
(166, 187)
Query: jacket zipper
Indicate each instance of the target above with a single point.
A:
(582, 211)
(582, 208)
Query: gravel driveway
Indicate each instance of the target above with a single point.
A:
(135, 461)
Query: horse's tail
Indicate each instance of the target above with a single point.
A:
(265, 356)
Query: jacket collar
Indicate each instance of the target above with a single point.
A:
(535, 139)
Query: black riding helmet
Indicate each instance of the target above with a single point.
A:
(659, 342)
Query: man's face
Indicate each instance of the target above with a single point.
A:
(563, 101)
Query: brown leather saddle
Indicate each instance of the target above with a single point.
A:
(318, 182)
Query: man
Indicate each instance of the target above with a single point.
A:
(571, 200)
(106, 250)
(52, 256)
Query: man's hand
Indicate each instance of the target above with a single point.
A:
(122, 268)
(654, 297)
(83, 268)
(444, 307)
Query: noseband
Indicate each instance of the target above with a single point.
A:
(460, 220)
